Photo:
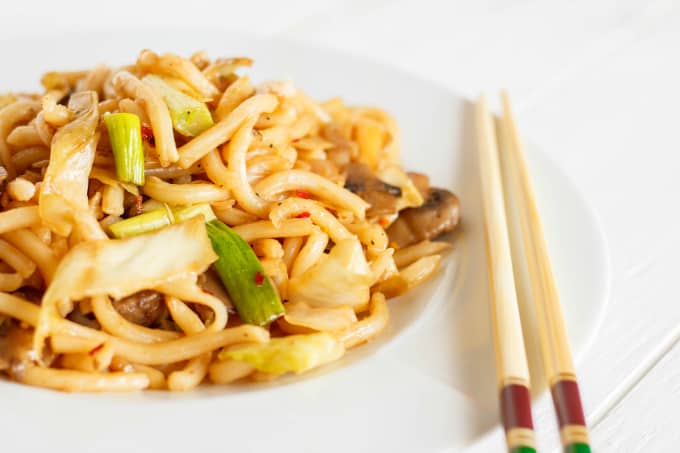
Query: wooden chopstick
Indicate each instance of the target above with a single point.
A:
(557, 360)
(511, 361)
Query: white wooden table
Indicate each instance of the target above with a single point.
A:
(596, 84)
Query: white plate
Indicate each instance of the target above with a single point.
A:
(434, 390)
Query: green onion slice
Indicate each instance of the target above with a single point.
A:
(158, 218)
(125, 135)
(189, 116)
(251, 292)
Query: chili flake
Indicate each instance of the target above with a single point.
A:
(303, 194)
(147, 135)
(96, 349)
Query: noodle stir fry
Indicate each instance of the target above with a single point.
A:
(171, 222)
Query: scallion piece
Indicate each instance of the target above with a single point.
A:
(158, 218)
(251, 292)
(143, 223)
(125, 135)
(189, 116)
(189, 212)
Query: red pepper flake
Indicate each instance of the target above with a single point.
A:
(384, 221)
(303, 215)
(207, 291)
(259, 278)
(303, 194)
(96, 349)
(147, 135)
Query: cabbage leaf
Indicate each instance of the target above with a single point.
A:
(342, 277)
(294, 353)
(63, 195)
(121, 267)
(325, 319)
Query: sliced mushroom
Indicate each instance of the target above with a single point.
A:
(421, 181)
(143, 308)
(381, 196)
(438, 215)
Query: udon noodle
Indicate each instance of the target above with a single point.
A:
(89, 303)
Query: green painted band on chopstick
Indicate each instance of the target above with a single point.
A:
(522, 450)
(577, 448)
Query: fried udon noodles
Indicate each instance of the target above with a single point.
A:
(170, 222)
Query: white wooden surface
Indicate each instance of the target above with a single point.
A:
(644, 420)
(597, 87)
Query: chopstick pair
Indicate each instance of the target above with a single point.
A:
(511, 360)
